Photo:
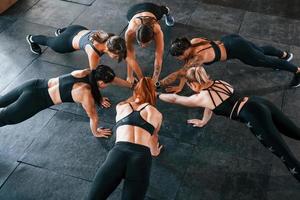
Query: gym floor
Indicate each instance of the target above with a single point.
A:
(54, 155)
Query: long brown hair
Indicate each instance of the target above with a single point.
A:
(100, 36)
(145, 91)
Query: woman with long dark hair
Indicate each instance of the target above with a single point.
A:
(80, 86)
(200, 51)
(137, 126)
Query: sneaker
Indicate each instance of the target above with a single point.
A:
(35, 48)
(57, 32)
(296, 81)
(169, 19)
(288, 57)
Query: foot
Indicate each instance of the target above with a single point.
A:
(296, 81)
(35, 48)
(57, 32)
(288, 57)
(169, 19)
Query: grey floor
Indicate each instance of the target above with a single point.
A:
(54, 155)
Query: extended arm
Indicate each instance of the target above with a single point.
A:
(94, 59)
(159, 52)
(131, 60)
(89, 106)
(191, 101)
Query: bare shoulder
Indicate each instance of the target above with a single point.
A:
(196, 40)
(80, 73)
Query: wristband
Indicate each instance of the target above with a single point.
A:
(157, 85)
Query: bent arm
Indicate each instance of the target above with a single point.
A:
(93, 60)
(207, 115)
(120, 82)
(89, 106)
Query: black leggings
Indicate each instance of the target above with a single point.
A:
(250, 54)
(24, 101)
(128, 161)
(61, 43)
(266, 122)
(157, 10)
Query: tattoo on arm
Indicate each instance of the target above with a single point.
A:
(169, 79)
(157, 70)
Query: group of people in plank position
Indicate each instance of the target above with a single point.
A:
(138, 121)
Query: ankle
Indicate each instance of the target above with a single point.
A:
(284, 55)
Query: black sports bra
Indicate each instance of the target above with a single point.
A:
(135, 119)
(215, 47)
(66, 83)
(229, 106)
(147, 20)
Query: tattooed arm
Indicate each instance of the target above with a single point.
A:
(159, 52)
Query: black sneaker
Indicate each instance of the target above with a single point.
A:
(169, 19)
(296, 81)
(35, 48)
(57, 32)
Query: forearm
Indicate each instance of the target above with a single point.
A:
(94, 125)
(136, 68)
(120, 82)
(157, 68)
(171, 78)
(207, 115)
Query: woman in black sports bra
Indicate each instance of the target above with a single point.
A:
(80, 86)
(203, 51)
(143, 27)
(137, 126)
(75, 37)
(264, 119)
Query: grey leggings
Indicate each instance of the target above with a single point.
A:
(61, 43)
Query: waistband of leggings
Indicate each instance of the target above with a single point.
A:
(43, 83)
(132, 147)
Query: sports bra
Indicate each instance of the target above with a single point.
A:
(85, 40)
(147, 20)
(66, 83)
(215, 47)
(135, 119)
(229, 106)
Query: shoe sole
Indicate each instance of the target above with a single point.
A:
(295, 86)
(28, 41)
(291, 57)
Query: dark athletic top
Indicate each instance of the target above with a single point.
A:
(66, 83)
(135, 119)
(215, 47)
(85, 40)
(228, 107)
(157, 10)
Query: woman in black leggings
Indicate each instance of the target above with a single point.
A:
(80, 86)
(143, 27)
(75, 37)
(137, 126)
(203, 51)
(264, 119)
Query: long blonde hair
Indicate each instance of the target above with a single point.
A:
(199, 75)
